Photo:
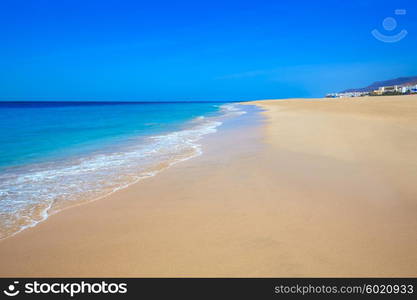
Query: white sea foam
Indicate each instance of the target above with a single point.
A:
(231, 110)
(29, 194)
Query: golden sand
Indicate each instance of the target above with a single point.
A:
(326, 187)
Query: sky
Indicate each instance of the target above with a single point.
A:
(199, 50)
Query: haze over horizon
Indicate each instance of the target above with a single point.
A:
(220, 51)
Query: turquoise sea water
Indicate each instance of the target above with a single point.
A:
(54, 154)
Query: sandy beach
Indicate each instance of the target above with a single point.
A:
(320, 187)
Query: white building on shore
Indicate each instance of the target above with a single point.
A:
(346, 95)
(383, 90)
(409, 89)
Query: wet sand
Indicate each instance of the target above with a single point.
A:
(323, 187)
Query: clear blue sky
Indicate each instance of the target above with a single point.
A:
(198, 50)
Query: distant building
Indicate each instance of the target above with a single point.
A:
(409, 89)
(346, 95)
(390, 89)
(332, 95)
(383, 90)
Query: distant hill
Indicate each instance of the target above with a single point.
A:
(374, 86)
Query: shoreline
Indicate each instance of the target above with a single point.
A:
(303, 194)
(185, 140)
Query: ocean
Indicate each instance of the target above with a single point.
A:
(55, 155)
